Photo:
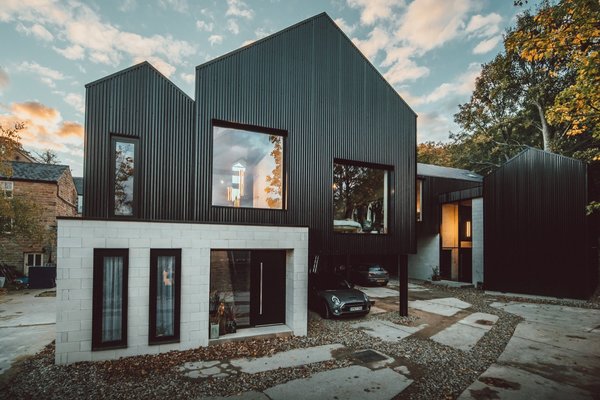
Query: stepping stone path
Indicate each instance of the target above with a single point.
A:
(446, 307)
(351, 383)
(386, 330)
(464, 334)
(285, 359)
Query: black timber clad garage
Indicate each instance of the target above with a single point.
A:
(536, 232)
(308, 81)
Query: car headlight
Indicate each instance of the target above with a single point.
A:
(335, 300)
(366, 297)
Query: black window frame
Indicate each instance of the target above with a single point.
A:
(98, 278)
(175, 338)
(389, 177)
(114, 138)
(260, 130)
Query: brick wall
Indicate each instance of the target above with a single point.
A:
(54, 199)
(77, 240)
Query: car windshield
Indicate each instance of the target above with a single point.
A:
(331, 282)
(376, 268)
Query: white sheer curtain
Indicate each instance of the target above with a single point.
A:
(165, 296)
(112, 299)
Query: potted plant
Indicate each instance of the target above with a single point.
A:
(214, 301)
(435, 276)
(230, 322)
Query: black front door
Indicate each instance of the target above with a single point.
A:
(267, 295)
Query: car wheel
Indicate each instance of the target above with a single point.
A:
(325, 311)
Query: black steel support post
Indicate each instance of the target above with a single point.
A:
(403, 284)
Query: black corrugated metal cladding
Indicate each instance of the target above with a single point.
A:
(535, 230)
(308, 80)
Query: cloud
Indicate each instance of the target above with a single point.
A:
(204, 26)
(4, 79)
(378, 40)
(347, 29)
(237, 8)
(215, 39)
(189, 78)
(85, 34)
(487, 45)
(405, 69)
(373, 10)
(428, 24)
(233, 27)
(161, 65)
(76, 101)
(32, 110)
(69, 128)
(36, 30)
(75, 52)
(433, 126)
(484, 26)
(180, 6)
(127, 5)
(44, 74)
(462, 85)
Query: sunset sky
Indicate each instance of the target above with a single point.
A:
(430, 50)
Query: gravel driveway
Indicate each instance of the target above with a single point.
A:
(438, 371)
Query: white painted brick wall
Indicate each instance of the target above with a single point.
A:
(477, 217)
(428, 256)
(77, 240)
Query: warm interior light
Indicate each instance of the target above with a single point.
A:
(229, 195)
(241, 172)
(468, 229)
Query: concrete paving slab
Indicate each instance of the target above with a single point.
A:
(241, 396)
(386, 330)
(412, 287)
(372, 358)
(506, 382)
(286, 359)
(583, 342)
(378, 292)
(459, 336)
(446, 306)
(351, 383)
(27, 325)
(452, 284)
(480, 320)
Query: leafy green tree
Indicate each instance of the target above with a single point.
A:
(436, 153)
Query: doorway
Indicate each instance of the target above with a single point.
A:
(456, 242)
(252, 282)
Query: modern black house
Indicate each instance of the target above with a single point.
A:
(538, 239)
(294, 154)
(449, 225)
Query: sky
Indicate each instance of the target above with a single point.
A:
(430, 51)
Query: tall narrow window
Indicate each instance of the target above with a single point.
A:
(360, 198)
(248, 166)
(165, 295)
(109, 322)
(419, 199)
(6, 189)
(124, 176)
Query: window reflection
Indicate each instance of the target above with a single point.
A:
(124, 178)
(247, 169)
(359, 199)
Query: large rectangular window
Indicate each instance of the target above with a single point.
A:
(247, 167)
(360, 198)
(124, 176)
(109, 309)
(165, 295)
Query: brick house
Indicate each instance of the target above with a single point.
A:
(52, 189)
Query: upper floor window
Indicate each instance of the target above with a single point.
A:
(124, 176)
(360, 198)
(6, 189)
(419, 199)
(248, 167)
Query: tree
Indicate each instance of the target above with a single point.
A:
(48, 156)
(435, 153)
(10, 141)
(566, 37)
(274, 181)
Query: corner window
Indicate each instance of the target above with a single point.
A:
(6, 189)
(165, 295)
(247, 167)
(109, 309)
(124, 176)
(34, 259)
(419, 199)
(360, 198)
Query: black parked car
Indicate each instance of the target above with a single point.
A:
(332, 296)
(369, 274)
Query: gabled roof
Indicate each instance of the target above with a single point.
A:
(78, 181)
(37, 172)
(327, 18)
(446, 172)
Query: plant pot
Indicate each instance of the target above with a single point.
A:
(214, 331)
